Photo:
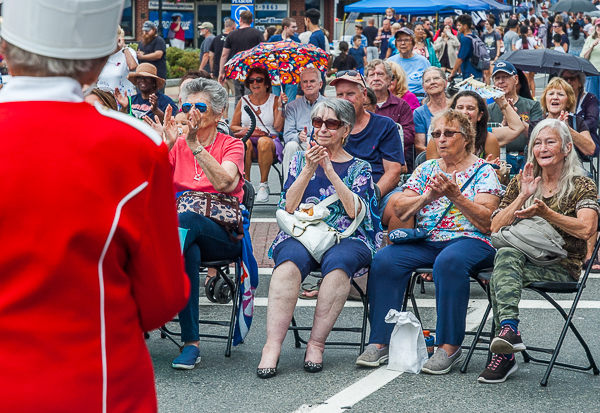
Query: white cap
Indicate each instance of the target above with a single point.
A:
(63, 29)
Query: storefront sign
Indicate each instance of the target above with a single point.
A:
(153, 5)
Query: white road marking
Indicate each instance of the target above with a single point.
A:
(260, 220)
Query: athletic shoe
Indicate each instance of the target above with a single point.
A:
(498, 370)
(373, 357)
(187, 360)
(507, 342)
(440, 363)
(262, 195)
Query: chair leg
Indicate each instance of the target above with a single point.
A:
(463, 369)
(365, 301)
(236, 303)
(297, 340)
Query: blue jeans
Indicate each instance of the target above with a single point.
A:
(205, 241)
(290, 91)
(393, 266)
(516, 162)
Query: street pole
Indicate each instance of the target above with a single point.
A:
(160, 24)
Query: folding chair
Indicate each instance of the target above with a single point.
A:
(544, 289)
(224, 289)
(478, 277)
(298, 340)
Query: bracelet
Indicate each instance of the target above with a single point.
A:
(504, 107)
(198, 150)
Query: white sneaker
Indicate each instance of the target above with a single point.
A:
(262, 195)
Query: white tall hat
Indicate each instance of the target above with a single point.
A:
(63, 29)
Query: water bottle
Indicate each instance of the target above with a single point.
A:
(429, 342)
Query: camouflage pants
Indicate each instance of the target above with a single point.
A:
(512, 272)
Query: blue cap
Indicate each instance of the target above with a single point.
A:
(504, 66)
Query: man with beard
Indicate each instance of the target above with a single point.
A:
(152, 49)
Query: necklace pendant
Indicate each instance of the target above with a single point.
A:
(198, 177)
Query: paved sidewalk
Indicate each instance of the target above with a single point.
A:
(262, 235)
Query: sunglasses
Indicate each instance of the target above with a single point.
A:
(569, 78)
(256, 80)
(351, 73)
(447, 133)
(186, 107)
(331, 124)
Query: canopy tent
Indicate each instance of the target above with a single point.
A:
(424, 6)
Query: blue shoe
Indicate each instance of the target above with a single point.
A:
(190, 356)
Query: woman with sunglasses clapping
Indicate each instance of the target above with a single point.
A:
(264, 144)
(452, 198)
(204, 160)
(323, 170)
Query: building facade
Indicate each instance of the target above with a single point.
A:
(194, 12)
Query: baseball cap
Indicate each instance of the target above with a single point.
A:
(206, 25)
(405, 30)
(148, 25)
(597, 22)
(353, 76)
(506, 67)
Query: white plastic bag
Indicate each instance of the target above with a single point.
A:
(408, 351)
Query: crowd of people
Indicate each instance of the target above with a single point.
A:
(392, 104)
(393, 145)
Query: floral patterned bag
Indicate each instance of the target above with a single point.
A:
(220, 208)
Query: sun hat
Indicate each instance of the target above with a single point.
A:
(147, 70)
(62, 29)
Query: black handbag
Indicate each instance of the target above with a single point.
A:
(410, 235)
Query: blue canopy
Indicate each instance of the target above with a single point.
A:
(423, 6)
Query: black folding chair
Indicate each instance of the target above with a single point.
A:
(222, 289)
(545, 289)
(298, 340)
(480, 337)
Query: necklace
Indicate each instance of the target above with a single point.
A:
(198, 176)
(550, 189)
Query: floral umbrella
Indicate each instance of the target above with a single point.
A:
(284, 60)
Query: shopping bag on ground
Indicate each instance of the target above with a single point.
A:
(408, 351)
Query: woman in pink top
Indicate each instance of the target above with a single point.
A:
(203, 160)
(399, 86)
(177, 32)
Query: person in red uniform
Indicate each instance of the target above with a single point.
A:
(90, 255)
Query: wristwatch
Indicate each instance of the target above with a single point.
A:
(198, 150)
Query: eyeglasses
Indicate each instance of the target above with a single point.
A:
(351, 73)
(256, 80)
(402, 41)
(186, 107)
(569, 78)
(432, 79)
(331, 124)
(447, 133)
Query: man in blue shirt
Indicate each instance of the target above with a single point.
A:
(464, 24)
(288, 32)
(413, 64)
(311, 21)
(385, 33)
(375, 139)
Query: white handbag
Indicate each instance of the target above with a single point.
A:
(316, 236)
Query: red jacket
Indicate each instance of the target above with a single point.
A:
(89, 252)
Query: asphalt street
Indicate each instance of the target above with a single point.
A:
(220, 384)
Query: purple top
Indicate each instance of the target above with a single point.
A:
(411, 99)
(400, 112)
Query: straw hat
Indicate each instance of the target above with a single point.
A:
(63, 29)
(147, 70)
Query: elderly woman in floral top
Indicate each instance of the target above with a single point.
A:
(324, 169)
(467, 188)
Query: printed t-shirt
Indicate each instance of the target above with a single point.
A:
(141, 107)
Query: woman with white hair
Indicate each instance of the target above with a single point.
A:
(203, 160)
(553, 186)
